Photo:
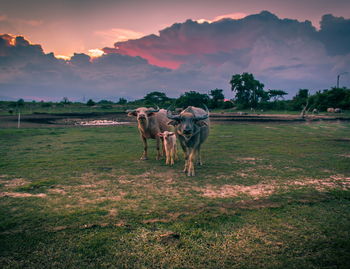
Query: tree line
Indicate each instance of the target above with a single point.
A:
(249, 94)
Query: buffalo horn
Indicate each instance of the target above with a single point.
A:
(152, 110)
(171, 116)
(204, 116)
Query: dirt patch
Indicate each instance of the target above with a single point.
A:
(226, 191)
(113, 212)
(155, 221)
(264, 189)
(345, 155)
(16, 182)
(336, 181)
(99, 123)
(21, 194)
(88, 186)
(59, 228)
(248, 159)
(57, 191)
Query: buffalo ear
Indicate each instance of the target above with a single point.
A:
(173, 122)
(160, 134)
(202, 123)
(134, 113)
(171, 133)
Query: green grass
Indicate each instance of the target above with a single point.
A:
(54, 108)
(267, 196)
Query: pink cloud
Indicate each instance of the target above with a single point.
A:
(192, 41)
(234, 16)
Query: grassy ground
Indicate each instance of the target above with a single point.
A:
(268, 196)
(54, 108)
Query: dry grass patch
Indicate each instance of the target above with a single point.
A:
(248, 159)
(266, 189)
(227, 191)
(21, 194)
(336, 181)
(57, 191)
(16, 182)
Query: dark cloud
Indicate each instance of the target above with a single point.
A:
(274, 49)
(184, 42)
(282, 53)
(80, 59)
(335, 34)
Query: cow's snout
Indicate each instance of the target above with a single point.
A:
(187, 131)
(142, 116)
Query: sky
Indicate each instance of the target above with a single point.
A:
(111, 49)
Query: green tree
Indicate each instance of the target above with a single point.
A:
(20, 103)
(335, 97)
(300, 100)
(249, 91)
(90, 102)
(192, 98)
(276, 94)
(217, 98)
(122, 101)
(155, 98)
(105, 102)
(65, 100)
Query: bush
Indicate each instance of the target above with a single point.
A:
(90, 102)
(192, 98)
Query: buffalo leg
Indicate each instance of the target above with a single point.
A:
(158, 151)
(144, 155)
(199, 158)
(168, 156)
(186, 155)
(175, 153)
(191, 160)
(163, 146)
(172, 155)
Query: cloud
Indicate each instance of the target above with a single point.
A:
(335, 34)
(274, 49)
(118, 34)
(14, 24)
(25, 70)
(95, 53)
(234, 16)
(282, 53)
(184, 42)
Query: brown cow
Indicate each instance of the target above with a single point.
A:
(150, 122)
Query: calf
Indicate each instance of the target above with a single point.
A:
(169, 140)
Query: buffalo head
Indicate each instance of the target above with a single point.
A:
(187, 123)
(142, 114)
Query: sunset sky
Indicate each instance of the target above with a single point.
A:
(177, 46)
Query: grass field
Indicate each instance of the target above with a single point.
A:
(267, 196)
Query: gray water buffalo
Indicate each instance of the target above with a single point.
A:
(192, 129)
(150, 123)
